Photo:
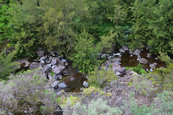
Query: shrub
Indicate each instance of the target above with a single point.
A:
(101, 77)
(95, 107)
(143, 85)
(27, 94)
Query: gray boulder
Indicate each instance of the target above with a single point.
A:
(62, 85)
(55, 61)
(125, 47)
(46, 69)
(24, 63)
(40, 53)
(137, 52)
(85, 84)
(153, 66)
(33, 65)
(121, 50)
(118, 69)
(143, 61)
(54, 84)
(58, 69)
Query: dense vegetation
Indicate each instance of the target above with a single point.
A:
(60, 25)
(80, 30)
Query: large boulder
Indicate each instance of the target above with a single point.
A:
(118, 69)
(125, 47)
(54, 84)
(46, 69)
(137, 52)
(143, 61)
(33, 65)
(40, 53)
(58, 69)
(24, 63)
(55, 61)
(153, 66)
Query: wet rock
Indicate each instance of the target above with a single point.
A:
(85, 84)
(121, 50)
(65, 72)
(143, 61)
(137, 52)
(40, 53)
(125, 47)
(54, 84)
(117, 54)
(58, 69)
(153, 66)
(33, 65)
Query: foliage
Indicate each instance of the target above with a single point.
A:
(163, 77)
(152, 25)
(101, 77)
(162, 105)
(85, 51)
(95, 107)
(138, 69)
(26, 93)
(6, 64)
(143, 85)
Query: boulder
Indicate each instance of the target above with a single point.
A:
(42, 58)
(143, 61)
(65, 72)
(125, 47)
(54, 84)
(62, 85)
(52, 53)
(46, 69)
(148, 55)
(40, 53)
(24, 63)
(153, 66)
(33, 65)
(121, 50)
(55, 61)
(85, 84)
(118, 68)
(137, 52)
(58, 69)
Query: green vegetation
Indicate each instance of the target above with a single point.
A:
(138, 69)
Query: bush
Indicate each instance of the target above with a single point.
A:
(101, 77)
(138, 69)
(27, 93)
(95, 107)
(143, 85)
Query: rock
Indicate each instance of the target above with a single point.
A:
(153, 66)
(40, 53)
(156, 58)
(55, 61)
(33, 65)
(55, 84)
(118, 68)
(42, 58)
(118, 73)
(137, 52)
(125, 47)
(62, 85)
(46, 69)
(58, 69)
(52, 53)
(65, 72)
(85, 84)
(151, 69)
(39, 49)
(143, 61)
(148, 55)
(117, 54)
(24, 63)
(121, 50)
(59, 76)
(58, 111)
(104, 56)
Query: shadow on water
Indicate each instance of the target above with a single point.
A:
(128, 60)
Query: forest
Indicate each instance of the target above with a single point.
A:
(87, 35)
